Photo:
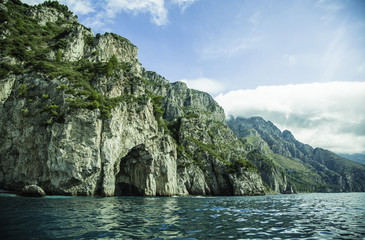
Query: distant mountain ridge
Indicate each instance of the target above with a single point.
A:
(328, 171)
(356, 157)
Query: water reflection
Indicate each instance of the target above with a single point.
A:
(314, 216)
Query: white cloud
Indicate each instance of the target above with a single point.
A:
(154, 7)
(329, 115)
(204, 84)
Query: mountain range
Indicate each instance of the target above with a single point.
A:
(311, 169)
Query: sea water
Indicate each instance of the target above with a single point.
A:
(299, 216)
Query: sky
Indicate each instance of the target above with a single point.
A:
(297, 63)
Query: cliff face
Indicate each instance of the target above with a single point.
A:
(309, 169)
(81, 117)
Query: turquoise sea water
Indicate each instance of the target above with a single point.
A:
(300, 216)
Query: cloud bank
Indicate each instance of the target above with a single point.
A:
(107, 10)
(328, 115)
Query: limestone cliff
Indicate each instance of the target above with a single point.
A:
(81, 117)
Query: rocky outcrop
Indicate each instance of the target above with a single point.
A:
(111, 44)
(32, 191)
(46, 15)
(276, 179)
(77, 42)
(6, 86)
(245, 183)
(179, 100)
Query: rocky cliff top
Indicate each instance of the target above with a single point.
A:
(180, 101)
(51, 33)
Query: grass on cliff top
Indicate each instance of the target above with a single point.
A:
(31, 44)
(28, 40)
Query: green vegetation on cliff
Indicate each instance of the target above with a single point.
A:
(33, 45)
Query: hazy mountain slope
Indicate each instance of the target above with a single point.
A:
(357, 157)
(309, 169)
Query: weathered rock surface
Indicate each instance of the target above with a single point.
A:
(210, 158)
(179, 100)
(48, 15)
(79, 118)
(80, 41)
(83, 154)
(6, 85)
(32, 191)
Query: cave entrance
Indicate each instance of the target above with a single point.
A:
(135, 167)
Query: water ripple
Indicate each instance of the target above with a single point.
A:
(301, 216)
